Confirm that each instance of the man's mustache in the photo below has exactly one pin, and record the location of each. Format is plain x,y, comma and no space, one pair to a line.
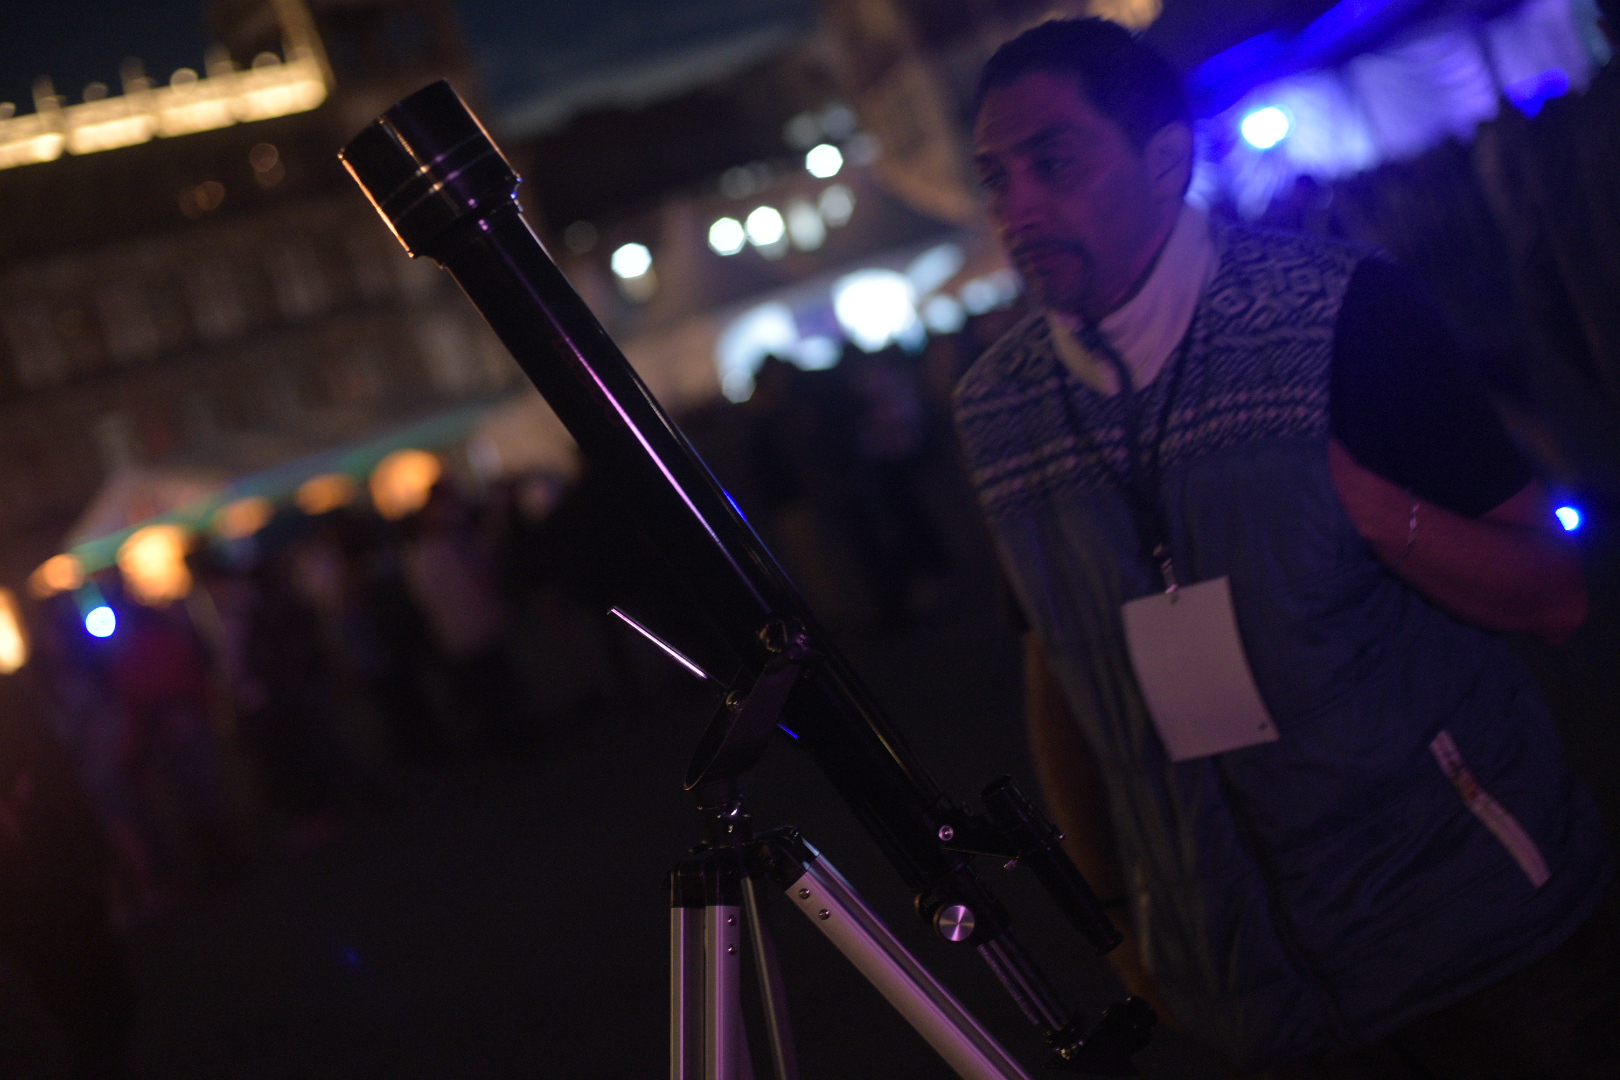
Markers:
1035,249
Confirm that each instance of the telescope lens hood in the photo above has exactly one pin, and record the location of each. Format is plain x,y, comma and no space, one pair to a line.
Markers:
427,164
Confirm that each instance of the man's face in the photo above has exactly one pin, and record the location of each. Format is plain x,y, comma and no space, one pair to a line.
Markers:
1074,203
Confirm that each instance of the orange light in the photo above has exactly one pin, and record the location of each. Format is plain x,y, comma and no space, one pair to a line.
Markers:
13,635
153,562
59,573
325,493
401,482
242,518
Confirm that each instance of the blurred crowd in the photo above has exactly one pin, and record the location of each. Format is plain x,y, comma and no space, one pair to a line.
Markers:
318,667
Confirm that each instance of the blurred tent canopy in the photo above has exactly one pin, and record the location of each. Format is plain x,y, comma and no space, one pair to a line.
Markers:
139,496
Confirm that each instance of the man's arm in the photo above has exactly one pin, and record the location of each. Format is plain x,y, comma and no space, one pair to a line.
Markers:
1072,784
1512,570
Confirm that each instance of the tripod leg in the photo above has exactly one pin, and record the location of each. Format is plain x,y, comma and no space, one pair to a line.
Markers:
837,911
686,1006
725,1049
779,1031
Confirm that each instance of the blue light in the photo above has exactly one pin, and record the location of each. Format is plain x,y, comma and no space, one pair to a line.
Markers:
1265,128
100,621
1568,517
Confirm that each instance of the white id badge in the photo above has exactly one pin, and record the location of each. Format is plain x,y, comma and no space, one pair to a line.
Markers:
1190,665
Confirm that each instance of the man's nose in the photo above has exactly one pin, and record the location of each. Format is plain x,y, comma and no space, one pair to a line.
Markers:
1021,207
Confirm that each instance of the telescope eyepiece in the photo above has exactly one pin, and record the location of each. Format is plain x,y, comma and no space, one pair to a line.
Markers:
426,165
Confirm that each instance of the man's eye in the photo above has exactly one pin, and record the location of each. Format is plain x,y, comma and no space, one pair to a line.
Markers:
1051,166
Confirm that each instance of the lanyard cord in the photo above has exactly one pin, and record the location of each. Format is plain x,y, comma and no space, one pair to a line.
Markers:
1140,483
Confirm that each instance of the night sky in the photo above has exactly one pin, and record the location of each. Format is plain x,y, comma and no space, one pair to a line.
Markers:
77,42
524,49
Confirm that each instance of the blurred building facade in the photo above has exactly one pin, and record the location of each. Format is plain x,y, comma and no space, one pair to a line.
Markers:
222,299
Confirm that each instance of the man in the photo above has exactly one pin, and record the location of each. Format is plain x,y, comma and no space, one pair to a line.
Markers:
1263,528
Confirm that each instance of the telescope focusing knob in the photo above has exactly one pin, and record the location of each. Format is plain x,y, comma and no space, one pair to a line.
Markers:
954,922
426,164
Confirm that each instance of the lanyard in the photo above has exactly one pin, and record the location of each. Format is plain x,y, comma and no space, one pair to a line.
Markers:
1140,483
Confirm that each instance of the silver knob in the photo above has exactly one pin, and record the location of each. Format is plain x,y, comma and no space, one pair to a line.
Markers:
954,922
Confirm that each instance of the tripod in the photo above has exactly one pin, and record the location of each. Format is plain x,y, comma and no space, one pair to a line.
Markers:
715,893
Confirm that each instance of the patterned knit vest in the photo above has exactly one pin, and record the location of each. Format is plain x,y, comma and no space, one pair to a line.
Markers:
1414,835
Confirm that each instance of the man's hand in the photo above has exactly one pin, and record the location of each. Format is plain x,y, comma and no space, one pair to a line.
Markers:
1512,570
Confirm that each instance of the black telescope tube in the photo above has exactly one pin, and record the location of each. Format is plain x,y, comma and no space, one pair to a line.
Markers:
443,188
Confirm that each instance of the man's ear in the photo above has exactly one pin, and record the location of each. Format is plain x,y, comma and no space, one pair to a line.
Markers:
1169,154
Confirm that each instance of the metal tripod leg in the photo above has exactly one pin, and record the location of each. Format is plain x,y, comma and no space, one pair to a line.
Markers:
707,1041
837,911
778,1030
686,1013
707,895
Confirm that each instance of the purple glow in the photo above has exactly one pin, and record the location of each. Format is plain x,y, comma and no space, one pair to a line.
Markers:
1532,93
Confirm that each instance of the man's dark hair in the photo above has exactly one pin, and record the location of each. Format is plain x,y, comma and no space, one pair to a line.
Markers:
1121,77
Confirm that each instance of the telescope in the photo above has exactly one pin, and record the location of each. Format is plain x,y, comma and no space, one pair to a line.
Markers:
448,194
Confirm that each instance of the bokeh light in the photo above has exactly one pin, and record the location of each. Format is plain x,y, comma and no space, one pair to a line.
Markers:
402,481
59,573
324,493
875,307
13,636
824,161
153,562
100,621
726,236
631,260
1265,128
765,226
241,519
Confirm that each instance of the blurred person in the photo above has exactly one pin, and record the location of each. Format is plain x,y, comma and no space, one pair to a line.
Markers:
287,707
171,752
92,727
55,926
1266,530
385,635
451,577
895,444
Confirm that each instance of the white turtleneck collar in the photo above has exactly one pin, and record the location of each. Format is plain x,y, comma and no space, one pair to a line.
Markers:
1147,328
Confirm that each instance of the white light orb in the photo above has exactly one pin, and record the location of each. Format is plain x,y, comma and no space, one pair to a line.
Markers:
632,260
766,330
766,227
1265,128
1568,517
875,307
823,161
726,236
